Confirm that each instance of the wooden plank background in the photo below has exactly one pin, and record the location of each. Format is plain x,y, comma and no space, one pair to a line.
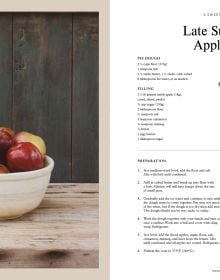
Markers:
49,86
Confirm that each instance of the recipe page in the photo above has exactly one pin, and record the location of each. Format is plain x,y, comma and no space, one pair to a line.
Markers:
165,140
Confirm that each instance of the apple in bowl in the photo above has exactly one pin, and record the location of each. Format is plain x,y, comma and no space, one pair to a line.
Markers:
25,172
6,140
24,156
36,140
22,151
3,169
8,130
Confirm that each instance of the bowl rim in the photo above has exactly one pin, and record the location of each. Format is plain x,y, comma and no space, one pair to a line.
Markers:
29,174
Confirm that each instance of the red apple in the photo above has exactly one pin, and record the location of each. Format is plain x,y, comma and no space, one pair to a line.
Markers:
3,169
34,139
24,156
8,130
6,140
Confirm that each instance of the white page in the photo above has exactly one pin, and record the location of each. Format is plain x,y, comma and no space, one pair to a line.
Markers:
165,140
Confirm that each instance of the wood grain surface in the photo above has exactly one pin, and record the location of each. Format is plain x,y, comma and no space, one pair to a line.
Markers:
49,86
61,233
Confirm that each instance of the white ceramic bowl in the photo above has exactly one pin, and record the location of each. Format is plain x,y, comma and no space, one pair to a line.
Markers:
21,192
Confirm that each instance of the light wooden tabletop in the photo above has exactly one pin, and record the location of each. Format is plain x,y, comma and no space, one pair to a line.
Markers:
61,233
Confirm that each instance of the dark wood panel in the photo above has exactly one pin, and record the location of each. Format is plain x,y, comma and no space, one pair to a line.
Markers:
5,69
42,83
85,111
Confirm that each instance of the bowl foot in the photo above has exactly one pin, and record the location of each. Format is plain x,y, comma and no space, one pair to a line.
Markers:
10,218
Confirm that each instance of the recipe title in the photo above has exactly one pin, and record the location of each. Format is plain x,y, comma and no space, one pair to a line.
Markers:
202,32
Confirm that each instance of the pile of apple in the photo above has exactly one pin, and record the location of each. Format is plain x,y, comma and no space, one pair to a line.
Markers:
20,152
